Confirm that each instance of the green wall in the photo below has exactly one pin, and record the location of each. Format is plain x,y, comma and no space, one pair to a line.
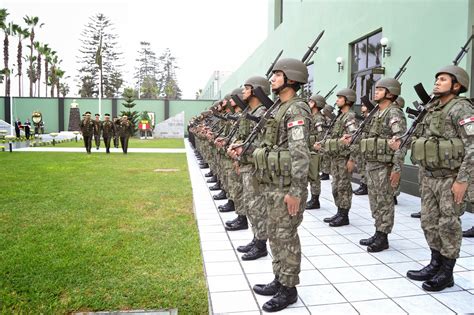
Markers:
23,108
432,32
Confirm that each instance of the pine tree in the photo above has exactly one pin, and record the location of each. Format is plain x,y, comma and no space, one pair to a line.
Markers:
129,96
146,72
167,82
99,53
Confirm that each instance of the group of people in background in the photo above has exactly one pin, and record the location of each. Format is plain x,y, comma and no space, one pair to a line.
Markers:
118,129
26,126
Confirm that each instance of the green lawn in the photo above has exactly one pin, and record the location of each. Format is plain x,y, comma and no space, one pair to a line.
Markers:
134,143
98,232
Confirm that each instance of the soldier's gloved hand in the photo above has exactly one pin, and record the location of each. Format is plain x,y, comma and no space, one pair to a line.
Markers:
394,179
292,203
394,143
350,166
459,189
317,146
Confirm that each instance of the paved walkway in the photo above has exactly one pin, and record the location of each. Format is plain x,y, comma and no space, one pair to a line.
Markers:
101,150
338,275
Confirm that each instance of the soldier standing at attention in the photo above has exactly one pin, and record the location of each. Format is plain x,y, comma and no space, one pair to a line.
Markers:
125,129
87,130
116,132
362,190
342,163
108,132
383,165
447,127
316,103
97,128
284,146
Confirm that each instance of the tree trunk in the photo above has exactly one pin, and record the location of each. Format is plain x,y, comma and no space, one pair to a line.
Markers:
46,77
19,67
32,37
5,61
38,69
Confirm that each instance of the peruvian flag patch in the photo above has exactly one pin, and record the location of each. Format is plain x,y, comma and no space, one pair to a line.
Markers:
295,123
462,122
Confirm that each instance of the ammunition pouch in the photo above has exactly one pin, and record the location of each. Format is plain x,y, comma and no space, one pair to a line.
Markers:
314,166
272,166
435,154
376,150
335,147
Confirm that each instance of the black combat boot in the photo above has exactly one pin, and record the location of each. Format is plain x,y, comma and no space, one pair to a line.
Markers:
342,219
268,289
395,200
428,271
362,190
259,250
228,207
313,203
368,241
213,179
220,196
380,243
217,186
324,176
248,247
468,233
230,222
210,174
240,224
203,165
284,297
443,279
416,215
327,220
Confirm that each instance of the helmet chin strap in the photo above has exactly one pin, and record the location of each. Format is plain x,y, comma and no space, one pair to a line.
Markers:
278,90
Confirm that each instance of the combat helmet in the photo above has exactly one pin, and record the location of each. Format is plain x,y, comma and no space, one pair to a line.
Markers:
349,94
294,69
459,73
319,100
392,85
258,81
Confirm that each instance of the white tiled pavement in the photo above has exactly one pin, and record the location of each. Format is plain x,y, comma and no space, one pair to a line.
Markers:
338,275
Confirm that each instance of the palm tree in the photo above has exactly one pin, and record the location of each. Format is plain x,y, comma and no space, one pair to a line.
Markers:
8,31
48,55
32,22
55,71
39,49
22,33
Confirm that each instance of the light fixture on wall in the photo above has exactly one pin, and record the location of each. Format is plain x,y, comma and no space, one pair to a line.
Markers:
340,64
385,48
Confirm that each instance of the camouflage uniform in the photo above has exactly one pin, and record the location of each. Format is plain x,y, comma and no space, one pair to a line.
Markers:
317,134
125,130
97,129
380,163
440,215
108,132
285,136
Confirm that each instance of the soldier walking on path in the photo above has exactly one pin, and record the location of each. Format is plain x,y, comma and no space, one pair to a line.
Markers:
87,130
97,129
125,130
108,132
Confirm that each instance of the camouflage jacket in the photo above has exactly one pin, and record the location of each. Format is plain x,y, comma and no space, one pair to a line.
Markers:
245,128
292,135
346,123
459,123
97,127
386,124
318,128
125,128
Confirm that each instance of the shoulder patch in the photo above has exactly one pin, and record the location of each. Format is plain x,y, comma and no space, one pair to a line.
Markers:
394,120
462,122
299,122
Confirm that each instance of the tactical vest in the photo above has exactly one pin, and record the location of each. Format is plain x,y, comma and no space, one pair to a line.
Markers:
375,148
335,147
272,162
438,151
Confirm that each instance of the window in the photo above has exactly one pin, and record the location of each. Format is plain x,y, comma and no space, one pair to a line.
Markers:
366,64
278,18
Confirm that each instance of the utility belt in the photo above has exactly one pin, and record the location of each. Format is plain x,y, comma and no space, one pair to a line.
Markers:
376,150
437,154
336,148
273,166
440,173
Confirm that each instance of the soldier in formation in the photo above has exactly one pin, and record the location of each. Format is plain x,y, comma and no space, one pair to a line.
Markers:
97,130
87,131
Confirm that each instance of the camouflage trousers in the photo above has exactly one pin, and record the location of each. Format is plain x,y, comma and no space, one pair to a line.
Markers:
235,190
313,176
253,202
315,186
381,196
325,164
341,183
283,236
440,216
361,169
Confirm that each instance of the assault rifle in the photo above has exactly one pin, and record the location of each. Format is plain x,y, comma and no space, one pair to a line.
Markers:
312,49
421,109
268,74
373,109
331,92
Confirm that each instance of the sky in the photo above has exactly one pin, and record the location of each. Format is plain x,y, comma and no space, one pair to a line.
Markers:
203,35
